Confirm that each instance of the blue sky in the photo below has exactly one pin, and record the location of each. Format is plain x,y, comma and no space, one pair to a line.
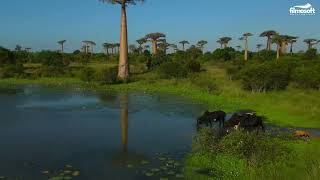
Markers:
41,23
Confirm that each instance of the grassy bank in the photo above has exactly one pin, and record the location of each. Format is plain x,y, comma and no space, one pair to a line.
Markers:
292,107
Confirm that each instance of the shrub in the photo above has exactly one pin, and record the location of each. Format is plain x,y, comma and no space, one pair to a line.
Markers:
172,70
225,54
13,70
205,82
87,74
50,71
266,76
307,77
265,55
310,54
193,66
106,75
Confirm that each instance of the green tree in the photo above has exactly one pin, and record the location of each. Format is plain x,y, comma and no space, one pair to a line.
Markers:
154,38
311,42
225,41
269,34
62,45
245,38
201,44
184,42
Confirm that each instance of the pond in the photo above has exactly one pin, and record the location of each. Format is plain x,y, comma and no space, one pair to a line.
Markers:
68,132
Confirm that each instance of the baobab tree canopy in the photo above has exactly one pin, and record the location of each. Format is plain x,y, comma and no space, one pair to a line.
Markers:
122,2
268,33
155,36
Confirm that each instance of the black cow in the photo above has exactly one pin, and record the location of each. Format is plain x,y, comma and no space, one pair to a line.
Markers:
209,117
247,121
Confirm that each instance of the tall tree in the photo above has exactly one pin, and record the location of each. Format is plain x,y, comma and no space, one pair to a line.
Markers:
311,42
238,47
201,44
225,41
154,38
277,39
269,34
184,42
123,72
141,42
62,45
291,41
106,47
245,38
259,47
89,46
221,43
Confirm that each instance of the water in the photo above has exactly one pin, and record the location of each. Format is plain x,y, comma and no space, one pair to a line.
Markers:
102,135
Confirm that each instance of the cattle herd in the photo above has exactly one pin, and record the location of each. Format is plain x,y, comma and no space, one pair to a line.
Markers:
247,120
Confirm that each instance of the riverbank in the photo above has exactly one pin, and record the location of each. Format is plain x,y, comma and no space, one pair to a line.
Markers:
290,108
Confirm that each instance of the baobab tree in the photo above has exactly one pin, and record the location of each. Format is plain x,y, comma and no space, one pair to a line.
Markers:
62,45
277,39
225,41
154,38
238,47
259,47
245,37
106,47
184,42
163,45
291,41
141,42
221,43
89,45
269,34
18,47
123,71
311,42
201,44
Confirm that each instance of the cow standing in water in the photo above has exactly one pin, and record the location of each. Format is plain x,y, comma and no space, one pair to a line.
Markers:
209,117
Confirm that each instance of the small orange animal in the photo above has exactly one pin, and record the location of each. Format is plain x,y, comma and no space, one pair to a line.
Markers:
301,134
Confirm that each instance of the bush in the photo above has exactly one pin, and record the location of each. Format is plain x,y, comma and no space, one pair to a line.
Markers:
193,66
205,82
265,55
107,75
173,70
307,77
14,70
50,71
87,74
266,76
225,54
310,54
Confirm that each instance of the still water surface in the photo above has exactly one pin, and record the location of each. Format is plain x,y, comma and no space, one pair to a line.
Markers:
102,135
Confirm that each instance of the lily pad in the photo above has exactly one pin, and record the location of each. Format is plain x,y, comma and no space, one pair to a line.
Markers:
67,178
43,172
155,170
145,162
163,178
76,173
67,172
149,174
68,166
179,176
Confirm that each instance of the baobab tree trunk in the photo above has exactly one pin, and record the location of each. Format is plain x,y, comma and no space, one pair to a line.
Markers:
154,47
124,121
183,47
309,46
291,48
278,51
246,50
269,43
123,58
62,48
283,48
225,45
